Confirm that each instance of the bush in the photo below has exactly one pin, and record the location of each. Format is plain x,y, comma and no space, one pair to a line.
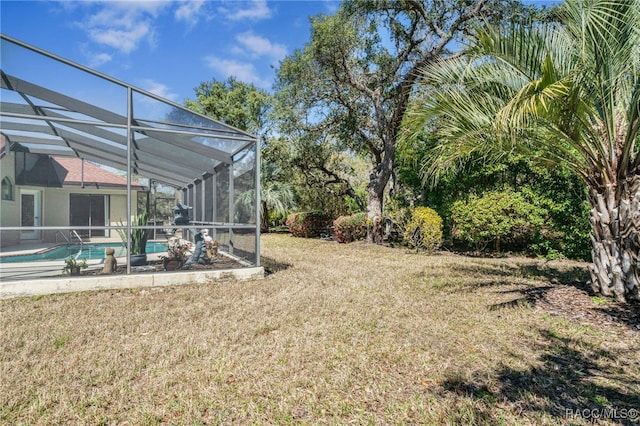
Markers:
350,228
400,218
424,230
504,218
308,224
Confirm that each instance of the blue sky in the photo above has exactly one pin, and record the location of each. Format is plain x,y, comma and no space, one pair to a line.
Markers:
167,47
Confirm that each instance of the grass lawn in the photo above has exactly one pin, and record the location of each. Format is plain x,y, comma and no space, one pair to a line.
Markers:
336,334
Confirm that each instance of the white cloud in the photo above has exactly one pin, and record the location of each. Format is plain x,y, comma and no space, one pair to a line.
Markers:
158,89
242,71
189,11
98,59
122,25
253,10
124,40
260,46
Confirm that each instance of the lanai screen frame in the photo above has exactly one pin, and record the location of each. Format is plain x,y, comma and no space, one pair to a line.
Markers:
182,149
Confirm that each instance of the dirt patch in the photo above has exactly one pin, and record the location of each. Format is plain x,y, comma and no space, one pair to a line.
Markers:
579,305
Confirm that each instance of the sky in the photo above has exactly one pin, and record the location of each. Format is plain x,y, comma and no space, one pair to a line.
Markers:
168,47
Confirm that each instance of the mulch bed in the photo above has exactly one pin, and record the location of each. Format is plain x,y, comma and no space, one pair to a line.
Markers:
217,263
579,305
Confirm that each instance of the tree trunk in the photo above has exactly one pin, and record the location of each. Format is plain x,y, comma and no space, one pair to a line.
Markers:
374,211
615,222
264,217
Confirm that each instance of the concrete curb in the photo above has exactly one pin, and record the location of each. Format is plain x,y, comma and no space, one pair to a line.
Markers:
13,289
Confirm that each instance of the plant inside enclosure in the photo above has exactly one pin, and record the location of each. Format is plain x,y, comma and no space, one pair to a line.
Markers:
72,265
139,237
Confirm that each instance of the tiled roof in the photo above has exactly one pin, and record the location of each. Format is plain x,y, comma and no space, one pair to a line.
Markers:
93,174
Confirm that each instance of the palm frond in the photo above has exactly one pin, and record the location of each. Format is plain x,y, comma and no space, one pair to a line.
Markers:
568,90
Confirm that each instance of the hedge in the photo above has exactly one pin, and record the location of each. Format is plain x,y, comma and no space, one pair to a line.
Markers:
350,228
308,224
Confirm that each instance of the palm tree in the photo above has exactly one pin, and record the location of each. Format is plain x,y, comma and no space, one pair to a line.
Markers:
567,93
275,195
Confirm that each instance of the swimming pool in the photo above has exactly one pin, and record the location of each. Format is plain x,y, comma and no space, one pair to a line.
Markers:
89,251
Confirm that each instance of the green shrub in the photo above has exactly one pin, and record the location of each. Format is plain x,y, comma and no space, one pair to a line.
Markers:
424,230
308,224
350,228
504,218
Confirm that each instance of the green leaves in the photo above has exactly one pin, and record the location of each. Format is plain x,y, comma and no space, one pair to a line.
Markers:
238,104
570,90
498,216
138,236
424,229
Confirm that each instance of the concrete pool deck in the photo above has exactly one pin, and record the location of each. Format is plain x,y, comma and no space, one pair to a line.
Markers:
23,279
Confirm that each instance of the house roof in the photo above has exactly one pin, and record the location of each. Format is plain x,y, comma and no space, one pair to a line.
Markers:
85,173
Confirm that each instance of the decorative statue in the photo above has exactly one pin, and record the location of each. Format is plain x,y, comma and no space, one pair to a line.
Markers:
200,250
110,262
211,246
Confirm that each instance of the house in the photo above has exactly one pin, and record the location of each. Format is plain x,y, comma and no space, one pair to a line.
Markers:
47,190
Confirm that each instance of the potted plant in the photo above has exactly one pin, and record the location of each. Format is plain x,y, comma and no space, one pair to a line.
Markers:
176,253
72,266
139,237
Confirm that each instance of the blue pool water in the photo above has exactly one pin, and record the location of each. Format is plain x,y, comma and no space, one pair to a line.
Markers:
89,251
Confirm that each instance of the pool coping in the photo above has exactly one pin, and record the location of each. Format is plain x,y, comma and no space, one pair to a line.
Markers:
27,288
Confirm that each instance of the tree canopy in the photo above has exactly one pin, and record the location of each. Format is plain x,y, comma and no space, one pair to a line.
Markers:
237,104
349,87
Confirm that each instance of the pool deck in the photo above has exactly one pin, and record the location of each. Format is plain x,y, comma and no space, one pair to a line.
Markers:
25,248
46,268
22,279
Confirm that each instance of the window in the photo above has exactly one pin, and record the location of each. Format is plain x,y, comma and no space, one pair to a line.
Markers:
7,189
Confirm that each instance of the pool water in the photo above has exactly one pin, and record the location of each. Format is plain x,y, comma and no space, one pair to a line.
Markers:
86,251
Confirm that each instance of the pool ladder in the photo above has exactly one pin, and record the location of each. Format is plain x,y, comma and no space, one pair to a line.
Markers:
63,236
73,232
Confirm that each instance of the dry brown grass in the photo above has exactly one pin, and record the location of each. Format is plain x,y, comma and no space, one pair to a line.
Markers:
337,334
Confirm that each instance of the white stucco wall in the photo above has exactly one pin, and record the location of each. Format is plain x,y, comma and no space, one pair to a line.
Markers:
9,209
55,205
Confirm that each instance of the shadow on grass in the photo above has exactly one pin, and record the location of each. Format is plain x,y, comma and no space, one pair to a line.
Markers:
627,314
567,276
613,311
576,381
529,297
577,276
271,266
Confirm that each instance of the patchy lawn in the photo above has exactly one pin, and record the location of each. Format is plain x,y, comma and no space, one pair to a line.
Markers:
335,334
